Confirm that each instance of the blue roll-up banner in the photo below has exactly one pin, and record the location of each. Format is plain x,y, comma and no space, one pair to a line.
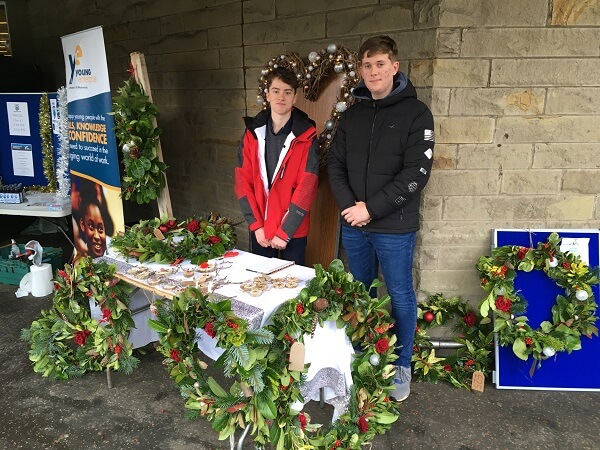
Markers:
94,162
577,371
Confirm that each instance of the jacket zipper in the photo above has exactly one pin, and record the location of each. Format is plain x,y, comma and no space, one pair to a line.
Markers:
369,155
279,177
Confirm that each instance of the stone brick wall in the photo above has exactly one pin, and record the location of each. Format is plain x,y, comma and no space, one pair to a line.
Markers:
514,86
514,92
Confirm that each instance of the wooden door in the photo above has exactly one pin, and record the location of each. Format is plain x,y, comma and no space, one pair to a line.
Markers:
323,239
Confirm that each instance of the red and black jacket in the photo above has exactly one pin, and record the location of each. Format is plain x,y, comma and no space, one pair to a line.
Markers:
282,210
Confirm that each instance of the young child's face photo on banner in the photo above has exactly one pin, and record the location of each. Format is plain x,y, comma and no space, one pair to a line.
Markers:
94,230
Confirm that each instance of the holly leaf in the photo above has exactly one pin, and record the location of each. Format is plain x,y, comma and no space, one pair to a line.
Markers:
520,349
484,306
386,418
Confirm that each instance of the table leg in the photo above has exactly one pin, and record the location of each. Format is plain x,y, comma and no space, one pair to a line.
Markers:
109,378
240,445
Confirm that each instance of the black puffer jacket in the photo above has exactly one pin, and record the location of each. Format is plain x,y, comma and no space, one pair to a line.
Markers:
382,155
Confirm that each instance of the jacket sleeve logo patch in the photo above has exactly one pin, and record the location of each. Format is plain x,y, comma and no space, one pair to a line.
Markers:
428,135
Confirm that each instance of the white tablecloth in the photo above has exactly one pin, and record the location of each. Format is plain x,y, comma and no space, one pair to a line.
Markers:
329,351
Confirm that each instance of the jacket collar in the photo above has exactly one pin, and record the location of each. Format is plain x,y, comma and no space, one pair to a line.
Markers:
402,88
301,123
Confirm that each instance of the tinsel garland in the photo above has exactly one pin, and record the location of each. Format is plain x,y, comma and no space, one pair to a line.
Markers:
62,166
47,149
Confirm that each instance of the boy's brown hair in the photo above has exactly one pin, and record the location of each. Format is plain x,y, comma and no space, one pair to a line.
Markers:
286,75
379,44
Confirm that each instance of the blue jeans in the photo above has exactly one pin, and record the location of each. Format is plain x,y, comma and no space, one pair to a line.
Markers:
394,252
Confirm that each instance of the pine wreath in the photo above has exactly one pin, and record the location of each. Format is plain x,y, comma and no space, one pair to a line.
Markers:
144,176
66,342
474,332
265,388
573,315
195,238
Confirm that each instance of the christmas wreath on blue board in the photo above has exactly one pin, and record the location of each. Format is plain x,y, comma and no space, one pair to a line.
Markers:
573,314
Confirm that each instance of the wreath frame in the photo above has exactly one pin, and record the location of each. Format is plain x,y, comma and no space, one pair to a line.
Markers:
474,332
573,314
266,388
66,342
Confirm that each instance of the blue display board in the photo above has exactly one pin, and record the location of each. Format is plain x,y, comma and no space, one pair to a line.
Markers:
20,138
579,370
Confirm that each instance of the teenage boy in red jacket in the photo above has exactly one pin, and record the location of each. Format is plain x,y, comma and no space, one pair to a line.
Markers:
276,177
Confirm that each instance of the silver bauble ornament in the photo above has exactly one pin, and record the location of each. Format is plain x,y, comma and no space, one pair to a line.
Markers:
259,100
374,359
126,148
332,48
328,136
313,56
581,295
265,72
552,262
308,75
311,68
329,124
341,106
549,351
352,73
350,65
275,66
338,68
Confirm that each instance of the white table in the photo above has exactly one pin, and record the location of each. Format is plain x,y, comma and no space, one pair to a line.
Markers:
329,351
43,205
38,204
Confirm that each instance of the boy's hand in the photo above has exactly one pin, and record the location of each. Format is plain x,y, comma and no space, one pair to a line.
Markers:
357,215
260,238
278,243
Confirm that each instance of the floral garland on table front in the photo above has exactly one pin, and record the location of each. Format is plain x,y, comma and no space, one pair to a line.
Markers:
475,333
197,239
573,315
265,387
320,65
66,342
144,176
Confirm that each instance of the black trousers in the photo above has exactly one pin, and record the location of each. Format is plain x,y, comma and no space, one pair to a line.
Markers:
294,251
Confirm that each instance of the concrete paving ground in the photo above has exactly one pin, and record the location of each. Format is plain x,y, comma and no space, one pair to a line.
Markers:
145,411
